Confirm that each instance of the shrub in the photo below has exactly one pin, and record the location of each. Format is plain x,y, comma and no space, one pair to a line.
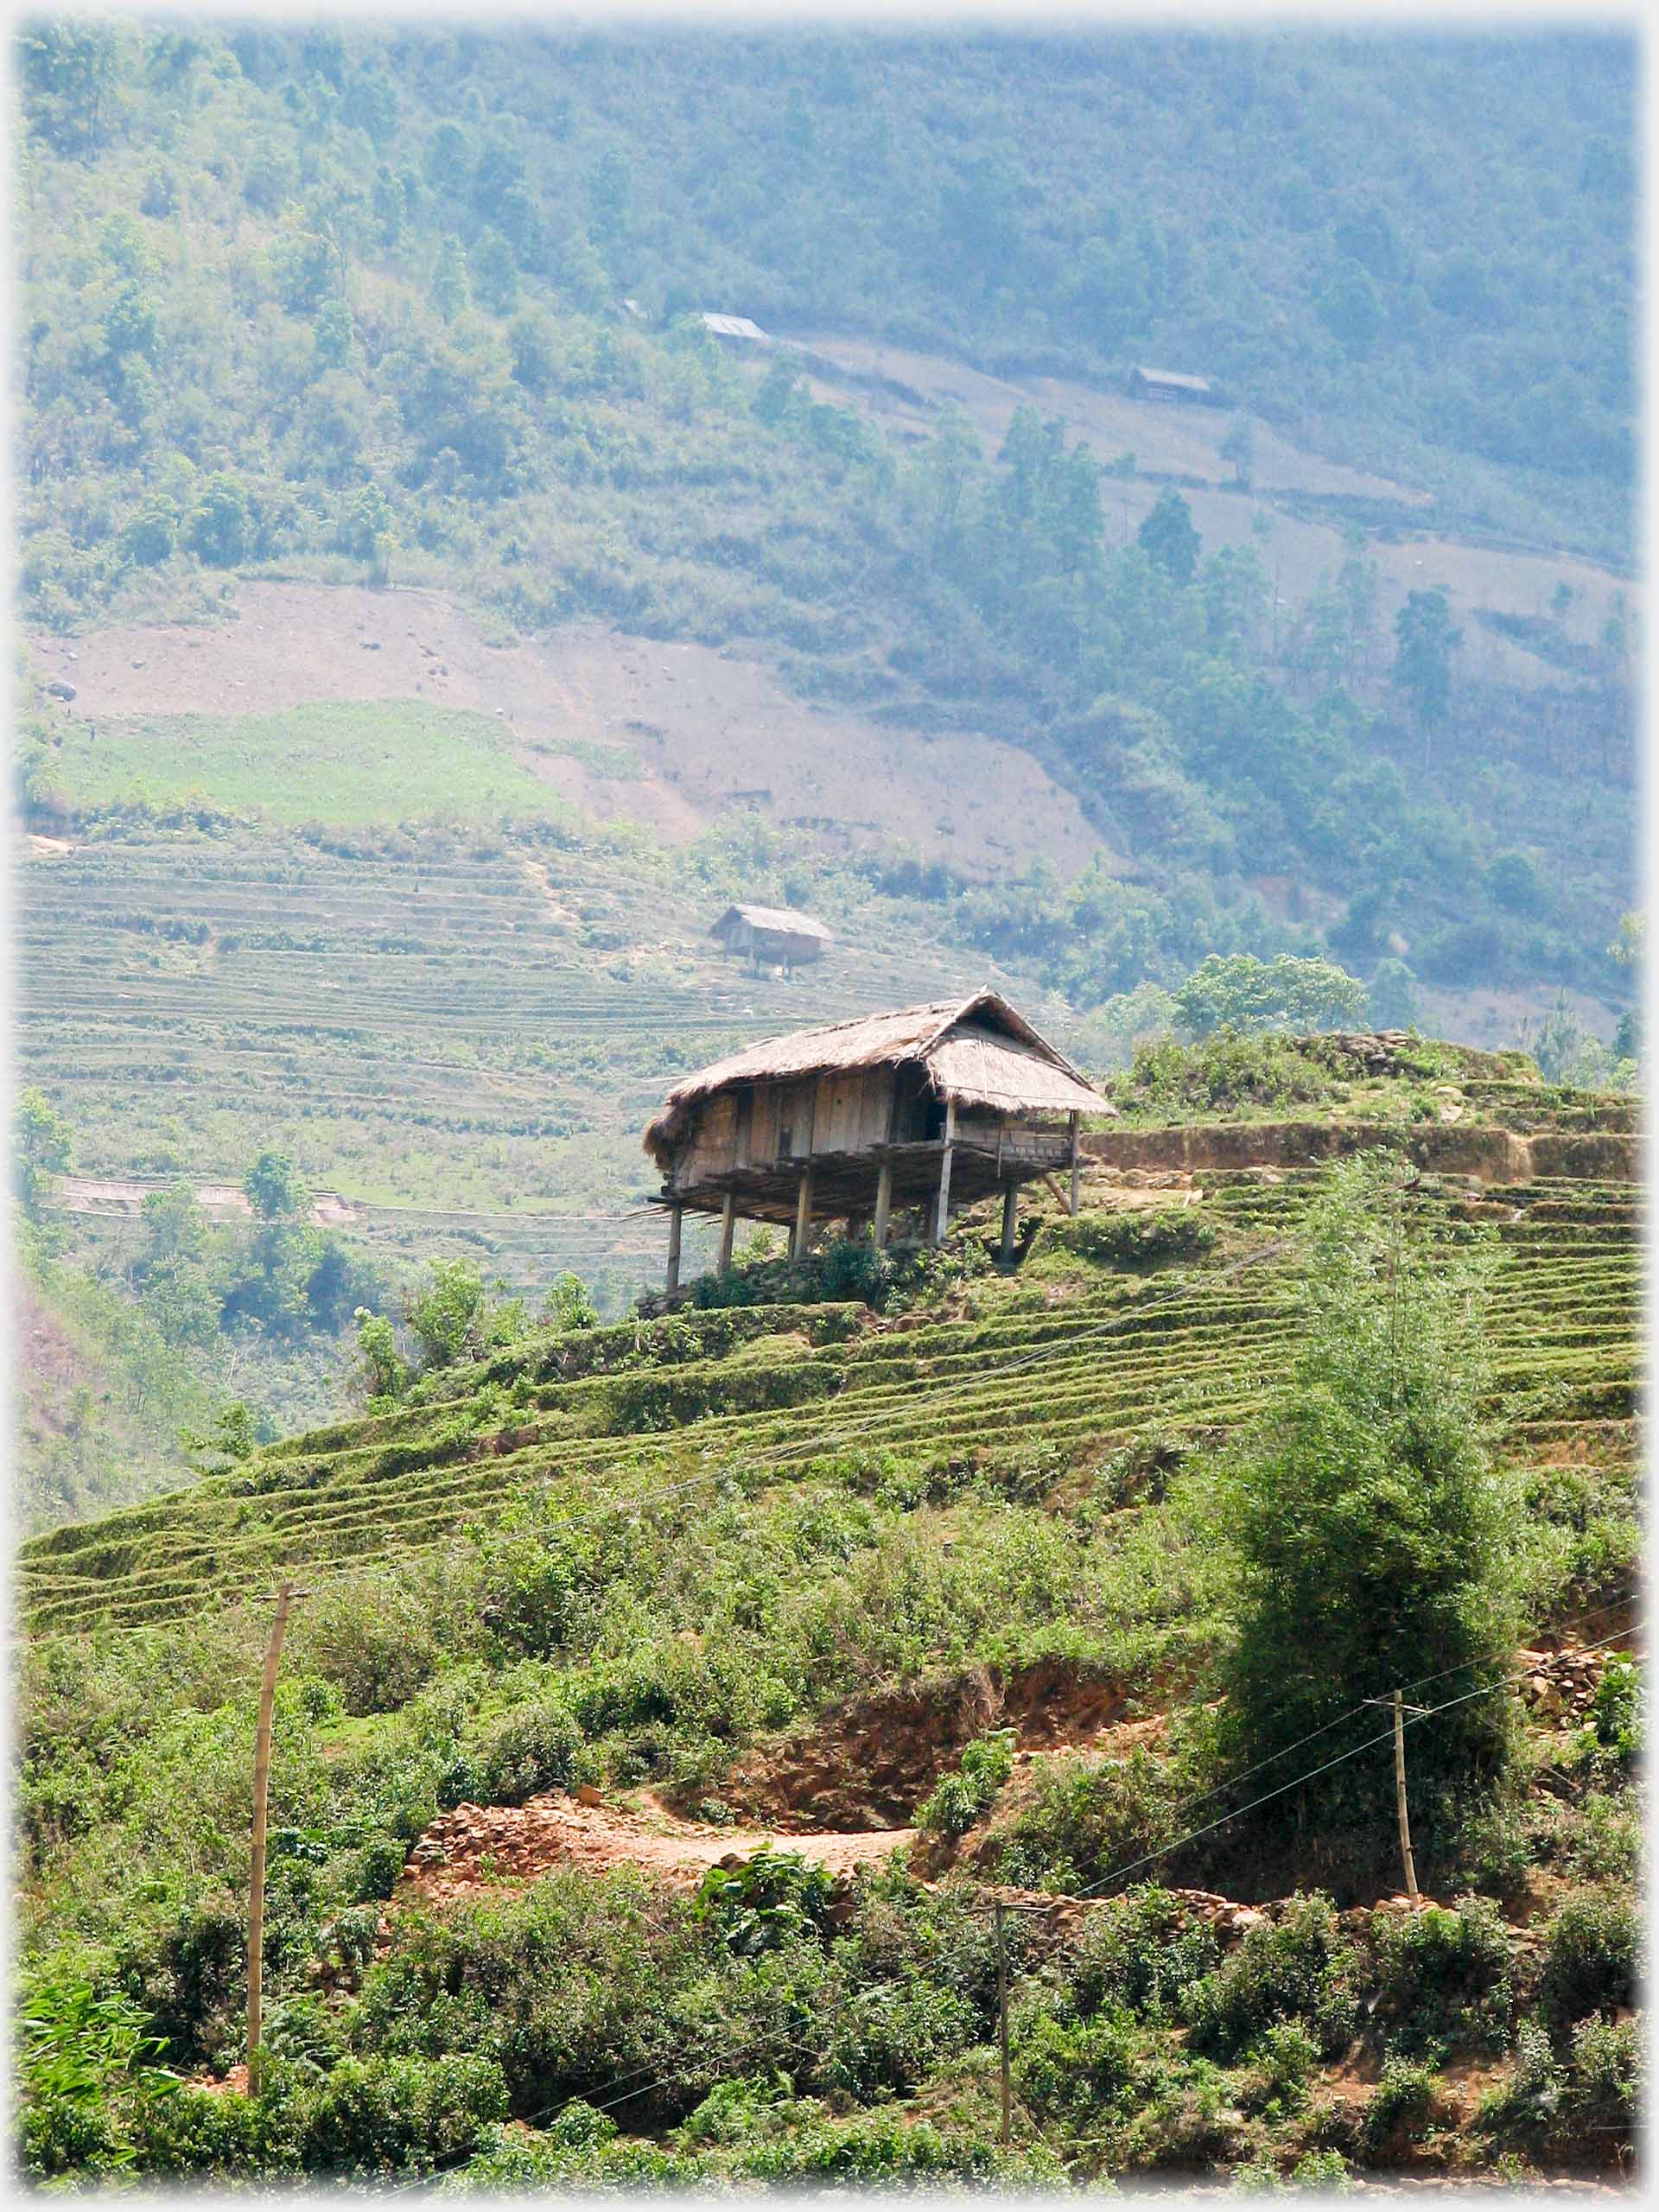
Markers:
1603,2078
1443,1974
772,1897
1616,1712
528,1749
1590,1956
1069,2071
1138,1240
956,1801
1295,1968
1402,2105
372,2113
1090,1817
1280,2064
1139,1951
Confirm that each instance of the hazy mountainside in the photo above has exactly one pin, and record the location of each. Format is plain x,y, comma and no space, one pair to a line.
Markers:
365,320
431,627
670,1702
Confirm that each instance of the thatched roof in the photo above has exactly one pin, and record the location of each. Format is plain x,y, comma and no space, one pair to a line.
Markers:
782,921
976,1051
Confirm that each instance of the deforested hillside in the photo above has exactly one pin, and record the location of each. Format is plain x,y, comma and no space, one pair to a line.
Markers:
426,311
668,1704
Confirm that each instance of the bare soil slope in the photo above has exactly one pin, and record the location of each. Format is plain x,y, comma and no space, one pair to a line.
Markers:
669,735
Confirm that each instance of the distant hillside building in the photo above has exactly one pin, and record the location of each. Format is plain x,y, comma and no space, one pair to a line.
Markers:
772,935
1171,384
924,1108
735,329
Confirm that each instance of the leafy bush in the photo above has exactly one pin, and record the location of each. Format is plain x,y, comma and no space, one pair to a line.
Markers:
1402,2105
772,1897
1297,1968
1590,1951
1616,1712
1279,2065
1603,2093
372,2113
529,1749
1071,2070
1137,1240
956,1801
1443,1975
1090,1817
1139,1951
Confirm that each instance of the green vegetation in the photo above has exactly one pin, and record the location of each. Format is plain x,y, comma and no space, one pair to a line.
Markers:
1373,1533
345,764
608,1556
369,321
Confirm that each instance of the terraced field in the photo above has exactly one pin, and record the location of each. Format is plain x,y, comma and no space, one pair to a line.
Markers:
1037,1377
467,1040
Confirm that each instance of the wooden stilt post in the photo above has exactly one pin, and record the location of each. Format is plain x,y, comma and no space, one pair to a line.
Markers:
1076,1166
942,1216
855,1227
1003,2016
261,1794
727,1223
883,1203
1010,1217
803,1215
674,1213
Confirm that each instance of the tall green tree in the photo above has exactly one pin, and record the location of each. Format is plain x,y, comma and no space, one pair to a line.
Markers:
1426,640
1169,538
1373,1536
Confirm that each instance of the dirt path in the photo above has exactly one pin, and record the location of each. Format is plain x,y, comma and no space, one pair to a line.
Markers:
471,1849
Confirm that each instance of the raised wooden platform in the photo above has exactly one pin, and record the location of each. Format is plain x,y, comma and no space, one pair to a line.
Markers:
844,1183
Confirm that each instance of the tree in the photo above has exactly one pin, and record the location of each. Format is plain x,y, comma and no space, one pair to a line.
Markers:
1371,1532
495,273
273,1190
1243,993
1393,1001
219,528
458,1315
449,280
1168,539
1238,447
42,1145
1426,641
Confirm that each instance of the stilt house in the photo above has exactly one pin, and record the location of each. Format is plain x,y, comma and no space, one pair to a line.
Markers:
775,934
923,1109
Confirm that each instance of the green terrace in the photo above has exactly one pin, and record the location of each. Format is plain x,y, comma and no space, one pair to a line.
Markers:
1028,1380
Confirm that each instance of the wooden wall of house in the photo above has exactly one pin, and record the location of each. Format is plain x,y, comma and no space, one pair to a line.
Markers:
767,1122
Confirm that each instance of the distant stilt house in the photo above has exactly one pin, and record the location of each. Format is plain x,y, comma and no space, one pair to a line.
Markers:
924,1110
1170,384
735,329
774,935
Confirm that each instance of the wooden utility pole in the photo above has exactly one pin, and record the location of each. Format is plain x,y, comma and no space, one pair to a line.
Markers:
674,1217
261,1790
1396,1704
1003,2016
1400,1794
